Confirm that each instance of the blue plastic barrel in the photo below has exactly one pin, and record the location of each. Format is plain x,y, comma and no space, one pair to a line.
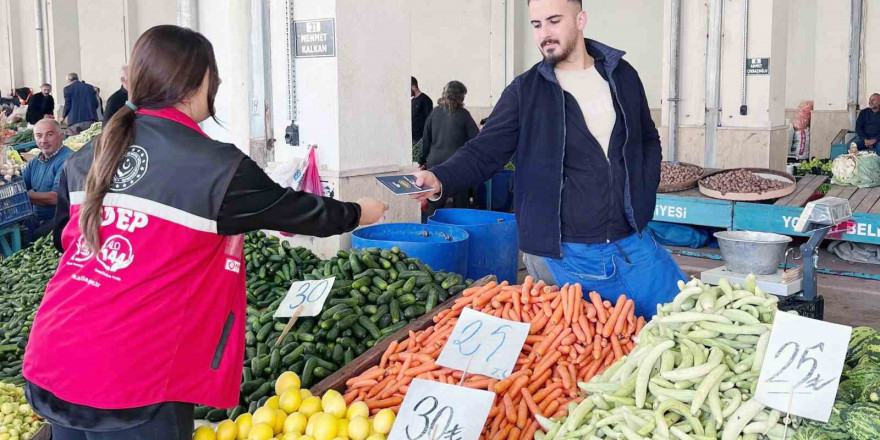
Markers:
493,247
502,192
441,247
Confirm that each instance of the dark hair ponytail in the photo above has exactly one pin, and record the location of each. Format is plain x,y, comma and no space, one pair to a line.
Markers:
168,66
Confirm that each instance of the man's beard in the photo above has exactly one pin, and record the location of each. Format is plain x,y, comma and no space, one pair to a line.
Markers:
561,53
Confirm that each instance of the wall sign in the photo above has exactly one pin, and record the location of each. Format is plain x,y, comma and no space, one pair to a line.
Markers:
758,66
314,38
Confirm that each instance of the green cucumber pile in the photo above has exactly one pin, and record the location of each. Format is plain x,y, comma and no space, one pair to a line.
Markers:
23,279
376,293
272,266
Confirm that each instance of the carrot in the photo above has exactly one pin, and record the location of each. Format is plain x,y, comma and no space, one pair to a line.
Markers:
530,403
502,433
539,382
514,433
556,317
480,384
615,345
544,345
600,308
363,383
566,379
509,410
540,395
384,403
522,414
529,433
518,384
625,313
639,324
613,317
568,339
505,383
547,362
578,332
542,404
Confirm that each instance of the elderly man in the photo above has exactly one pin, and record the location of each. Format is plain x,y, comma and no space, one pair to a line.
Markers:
868,124
41,105
80,104
42,174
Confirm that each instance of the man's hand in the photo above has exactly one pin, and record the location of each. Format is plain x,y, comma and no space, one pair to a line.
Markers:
371,210
871,142
426,179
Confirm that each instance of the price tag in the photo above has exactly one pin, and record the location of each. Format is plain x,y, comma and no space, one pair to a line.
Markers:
306,295
484,344
804,361
439,411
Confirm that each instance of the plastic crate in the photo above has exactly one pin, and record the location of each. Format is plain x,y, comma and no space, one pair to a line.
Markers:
807,308
15,204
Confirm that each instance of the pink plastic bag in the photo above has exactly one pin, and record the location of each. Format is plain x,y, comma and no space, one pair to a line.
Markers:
311,181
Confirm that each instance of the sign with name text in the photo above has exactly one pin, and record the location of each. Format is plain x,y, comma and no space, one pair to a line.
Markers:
314,38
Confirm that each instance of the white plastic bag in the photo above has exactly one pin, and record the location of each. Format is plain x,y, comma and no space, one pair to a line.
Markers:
288,174
800,144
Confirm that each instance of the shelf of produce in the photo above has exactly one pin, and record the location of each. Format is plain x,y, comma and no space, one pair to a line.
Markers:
780,217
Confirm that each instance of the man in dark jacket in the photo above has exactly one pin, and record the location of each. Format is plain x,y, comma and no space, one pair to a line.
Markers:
587,160
40,105
80,105
868,124
118,98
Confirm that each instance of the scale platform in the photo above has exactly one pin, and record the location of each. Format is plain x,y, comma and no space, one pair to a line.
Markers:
774,283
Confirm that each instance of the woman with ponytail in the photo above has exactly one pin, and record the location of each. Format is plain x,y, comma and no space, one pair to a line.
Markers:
145,316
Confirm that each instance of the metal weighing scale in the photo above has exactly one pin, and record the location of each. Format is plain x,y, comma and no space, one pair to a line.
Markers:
830,215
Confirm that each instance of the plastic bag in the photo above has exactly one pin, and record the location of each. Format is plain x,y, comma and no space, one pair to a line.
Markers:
800,144
288,174
861,169
311,182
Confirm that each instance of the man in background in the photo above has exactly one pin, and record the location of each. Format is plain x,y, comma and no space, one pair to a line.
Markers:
41,176
421,108
41,105
118,98
80,105
868,124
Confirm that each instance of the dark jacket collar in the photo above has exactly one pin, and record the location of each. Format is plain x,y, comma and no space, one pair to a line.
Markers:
605,55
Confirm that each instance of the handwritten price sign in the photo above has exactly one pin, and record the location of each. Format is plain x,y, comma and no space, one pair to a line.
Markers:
802,366
307,295
438,411
484,344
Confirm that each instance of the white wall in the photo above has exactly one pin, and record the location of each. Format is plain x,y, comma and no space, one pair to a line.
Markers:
639,34
870,53
6,48
102,43
801,70
832,54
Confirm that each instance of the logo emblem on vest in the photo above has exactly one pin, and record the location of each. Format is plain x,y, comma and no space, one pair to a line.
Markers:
116,253
83,253
131,169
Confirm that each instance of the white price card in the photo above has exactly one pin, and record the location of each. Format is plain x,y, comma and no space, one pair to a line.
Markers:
438,411
306,295
484,344
802,366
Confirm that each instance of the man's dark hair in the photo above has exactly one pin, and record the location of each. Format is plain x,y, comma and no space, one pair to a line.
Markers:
415,82
579,2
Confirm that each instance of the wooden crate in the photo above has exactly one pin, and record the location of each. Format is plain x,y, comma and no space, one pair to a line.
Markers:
371,357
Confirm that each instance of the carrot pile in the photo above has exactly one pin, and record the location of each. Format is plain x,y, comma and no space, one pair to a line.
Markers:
570,340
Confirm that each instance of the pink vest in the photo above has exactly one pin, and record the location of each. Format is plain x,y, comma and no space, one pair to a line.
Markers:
157,314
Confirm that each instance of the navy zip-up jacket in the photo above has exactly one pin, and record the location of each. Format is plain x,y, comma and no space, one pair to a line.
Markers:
565,190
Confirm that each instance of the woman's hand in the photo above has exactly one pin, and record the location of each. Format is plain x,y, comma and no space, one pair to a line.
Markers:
371,210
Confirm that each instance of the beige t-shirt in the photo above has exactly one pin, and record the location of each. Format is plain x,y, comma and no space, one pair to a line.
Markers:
593,95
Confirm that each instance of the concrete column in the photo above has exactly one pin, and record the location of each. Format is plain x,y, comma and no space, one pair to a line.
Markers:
355,105
6,48
832,74
64,45
758,138
692,79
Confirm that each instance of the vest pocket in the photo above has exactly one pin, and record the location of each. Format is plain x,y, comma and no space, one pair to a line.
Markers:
224,337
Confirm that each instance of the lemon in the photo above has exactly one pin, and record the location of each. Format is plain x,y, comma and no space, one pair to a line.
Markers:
333,403
260,431
358,428
265,415
287,381
342,428
305,393
243,424
289,436
295,423
357,409
204,433
280,417
376,437
226,430
306,437
383,421
310,427
326,427
273,402
310,406
290,401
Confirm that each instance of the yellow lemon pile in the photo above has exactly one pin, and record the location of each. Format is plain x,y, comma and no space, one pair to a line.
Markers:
295,414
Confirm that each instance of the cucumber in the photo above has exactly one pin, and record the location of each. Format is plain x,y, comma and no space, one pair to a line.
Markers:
264,331
200,412
216,415
260,392
275,359
309,371
407,300
393,328
414,311
395,311
369,326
